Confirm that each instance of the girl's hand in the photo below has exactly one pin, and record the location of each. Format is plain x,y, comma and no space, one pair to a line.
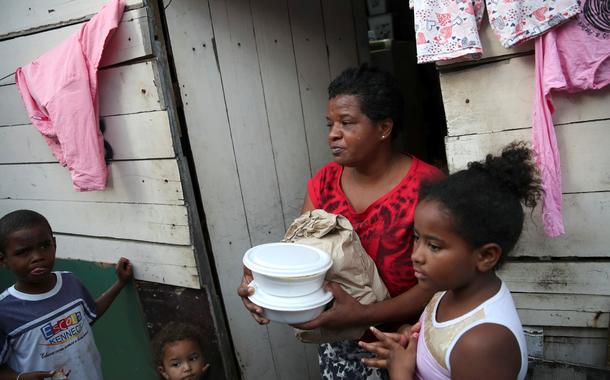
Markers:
244,292
395,352
346,311
124,270
40,375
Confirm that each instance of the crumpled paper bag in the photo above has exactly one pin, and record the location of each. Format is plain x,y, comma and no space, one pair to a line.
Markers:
352,267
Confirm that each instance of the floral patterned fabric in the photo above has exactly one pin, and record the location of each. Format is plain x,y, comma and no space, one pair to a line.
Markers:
385,228
448,29
341,360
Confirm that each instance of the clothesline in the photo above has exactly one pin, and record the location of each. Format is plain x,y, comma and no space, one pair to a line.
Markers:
6,76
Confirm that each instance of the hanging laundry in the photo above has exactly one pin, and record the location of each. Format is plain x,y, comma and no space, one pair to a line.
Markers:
59,90
448,29
573,57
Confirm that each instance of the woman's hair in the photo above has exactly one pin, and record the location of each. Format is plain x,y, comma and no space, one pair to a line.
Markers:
18,220
484,200
170,333
378,91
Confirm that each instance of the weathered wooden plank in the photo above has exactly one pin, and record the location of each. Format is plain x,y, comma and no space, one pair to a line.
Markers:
166,264
130,41
473,106
18,16
135,136
557,277
143,222
340,35
563,310
313,74
586,221
284,113
585,157
122,90
191,34
146,181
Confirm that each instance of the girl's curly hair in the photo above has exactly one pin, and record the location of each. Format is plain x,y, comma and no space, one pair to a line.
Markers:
170,333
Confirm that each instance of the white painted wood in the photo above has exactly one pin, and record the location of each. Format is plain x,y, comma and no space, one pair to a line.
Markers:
143,222
557,277
134,136
165,264
23,15
146,181
340,35
585,157
191,34
122,90
563,310
498,96
313,74
586,221
283,103
576,345
130,41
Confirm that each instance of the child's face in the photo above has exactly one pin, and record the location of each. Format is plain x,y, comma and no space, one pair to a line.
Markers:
30,254
182,360
441,258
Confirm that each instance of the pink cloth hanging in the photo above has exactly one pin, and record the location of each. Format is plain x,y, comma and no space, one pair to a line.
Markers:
572,57
59,90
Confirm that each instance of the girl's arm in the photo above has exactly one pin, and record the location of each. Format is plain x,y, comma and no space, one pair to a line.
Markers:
485,349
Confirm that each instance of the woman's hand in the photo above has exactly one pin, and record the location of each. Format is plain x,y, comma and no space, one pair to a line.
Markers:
395,352
244,292
346,311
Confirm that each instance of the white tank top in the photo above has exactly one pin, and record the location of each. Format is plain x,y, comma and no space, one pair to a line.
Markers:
437,339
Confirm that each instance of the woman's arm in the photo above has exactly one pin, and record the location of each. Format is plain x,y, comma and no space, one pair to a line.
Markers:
347,311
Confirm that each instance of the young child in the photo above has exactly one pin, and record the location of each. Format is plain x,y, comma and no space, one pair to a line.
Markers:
45,317
465,226
178,352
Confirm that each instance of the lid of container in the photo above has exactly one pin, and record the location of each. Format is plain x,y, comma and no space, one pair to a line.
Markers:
287,260
309,301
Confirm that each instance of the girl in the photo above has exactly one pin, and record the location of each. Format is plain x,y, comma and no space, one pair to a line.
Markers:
178,352
465,226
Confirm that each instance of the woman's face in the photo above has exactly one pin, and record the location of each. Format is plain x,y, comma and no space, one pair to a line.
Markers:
353,137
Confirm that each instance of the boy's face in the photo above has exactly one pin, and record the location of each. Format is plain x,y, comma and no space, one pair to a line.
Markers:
183,360
30,254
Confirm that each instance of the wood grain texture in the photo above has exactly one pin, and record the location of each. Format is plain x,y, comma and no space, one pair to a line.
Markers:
18,16
145,181
135,136
130,41
563,310
162,263
143,222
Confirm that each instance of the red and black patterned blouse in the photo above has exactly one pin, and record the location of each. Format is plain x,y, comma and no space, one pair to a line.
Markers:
385,228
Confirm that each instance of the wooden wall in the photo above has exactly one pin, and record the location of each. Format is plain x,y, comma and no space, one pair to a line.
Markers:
560,285
142,215
253,78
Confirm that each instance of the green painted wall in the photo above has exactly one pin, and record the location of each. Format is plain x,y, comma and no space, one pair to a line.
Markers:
121,333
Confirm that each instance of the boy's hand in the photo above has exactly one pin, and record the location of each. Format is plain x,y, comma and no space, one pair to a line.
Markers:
124,270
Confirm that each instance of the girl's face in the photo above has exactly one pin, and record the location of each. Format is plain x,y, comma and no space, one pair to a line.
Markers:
353,137
441,258
183,360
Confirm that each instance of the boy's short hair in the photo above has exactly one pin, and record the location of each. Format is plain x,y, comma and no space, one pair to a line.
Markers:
173,332
18,220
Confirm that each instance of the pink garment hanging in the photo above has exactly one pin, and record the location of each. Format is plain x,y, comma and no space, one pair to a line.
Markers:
572,57
59,90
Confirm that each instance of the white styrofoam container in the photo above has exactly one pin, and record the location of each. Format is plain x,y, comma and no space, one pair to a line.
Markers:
290,310
287,269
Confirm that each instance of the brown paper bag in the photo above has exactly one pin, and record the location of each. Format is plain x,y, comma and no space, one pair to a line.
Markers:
352,267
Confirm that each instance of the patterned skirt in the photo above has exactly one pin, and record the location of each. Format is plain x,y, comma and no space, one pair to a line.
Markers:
341,360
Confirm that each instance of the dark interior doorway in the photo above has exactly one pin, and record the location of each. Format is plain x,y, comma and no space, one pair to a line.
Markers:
392,47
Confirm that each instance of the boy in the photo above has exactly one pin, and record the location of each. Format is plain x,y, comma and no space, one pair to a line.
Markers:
45,317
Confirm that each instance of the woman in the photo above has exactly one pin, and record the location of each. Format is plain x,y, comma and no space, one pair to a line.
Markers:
376,188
